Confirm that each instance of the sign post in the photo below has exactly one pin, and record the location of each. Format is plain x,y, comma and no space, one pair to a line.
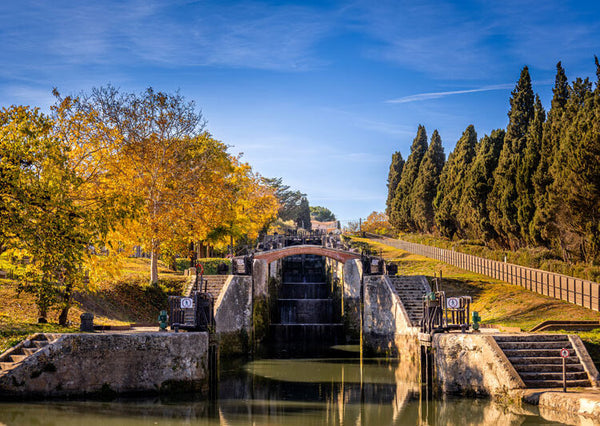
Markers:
564,353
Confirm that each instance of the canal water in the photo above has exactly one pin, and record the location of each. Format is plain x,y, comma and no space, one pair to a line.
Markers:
327,391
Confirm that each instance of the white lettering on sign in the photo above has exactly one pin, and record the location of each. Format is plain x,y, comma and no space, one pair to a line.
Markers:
452,302
187,303
564,353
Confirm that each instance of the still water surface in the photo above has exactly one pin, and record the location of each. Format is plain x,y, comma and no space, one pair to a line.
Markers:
284,392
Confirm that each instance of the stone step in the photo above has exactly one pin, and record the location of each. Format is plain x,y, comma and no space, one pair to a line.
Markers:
30,351
532,353
552,376
518,360
556,345
7,365
17,358
532,338
40,343
548,368
409,290
557,383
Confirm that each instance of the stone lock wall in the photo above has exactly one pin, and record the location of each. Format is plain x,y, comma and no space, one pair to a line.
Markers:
107,364
472,364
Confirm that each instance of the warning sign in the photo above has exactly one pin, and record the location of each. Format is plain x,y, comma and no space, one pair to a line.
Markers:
564,353
187,303
452,303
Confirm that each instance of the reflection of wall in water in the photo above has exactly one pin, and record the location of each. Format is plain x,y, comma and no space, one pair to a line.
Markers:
332,392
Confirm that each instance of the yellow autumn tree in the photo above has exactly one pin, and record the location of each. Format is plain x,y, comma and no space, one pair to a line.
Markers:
247,205
377,223
160,149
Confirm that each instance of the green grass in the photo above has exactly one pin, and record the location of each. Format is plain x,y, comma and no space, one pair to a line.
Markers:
498,303
121,300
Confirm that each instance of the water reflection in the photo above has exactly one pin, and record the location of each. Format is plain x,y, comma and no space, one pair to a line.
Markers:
290,392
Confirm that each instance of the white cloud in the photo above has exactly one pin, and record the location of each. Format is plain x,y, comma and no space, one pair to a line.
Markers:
246,34
435,95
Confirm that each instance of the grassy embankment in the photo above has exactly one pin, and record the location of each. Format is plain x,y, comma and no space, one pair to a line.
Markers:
123,300
497,302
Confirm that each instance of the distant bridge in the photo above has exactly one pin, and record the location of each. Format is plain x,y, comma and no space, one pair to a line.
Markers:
336,254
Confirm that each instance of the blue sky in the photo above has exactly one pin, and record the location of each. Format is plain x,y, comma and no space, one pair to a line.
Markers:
318,93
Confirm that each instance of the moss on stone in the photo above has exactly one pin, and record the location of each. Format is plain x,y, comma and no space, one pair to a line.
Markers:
234,343
261,318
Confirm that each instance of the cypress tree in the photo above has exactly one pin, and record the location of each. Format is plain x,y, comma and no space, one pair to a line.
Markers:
502,202
541,230
400,216
303,218
452,182
575,192
394,178
526,170
473,216
425,187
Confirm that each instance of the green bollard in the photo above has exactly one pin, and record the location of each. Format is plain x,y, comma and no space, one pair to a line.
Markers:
475,319
163,319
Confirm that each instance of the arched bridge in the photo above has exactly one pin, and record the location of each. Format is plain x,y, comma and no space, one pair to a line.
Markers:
339,255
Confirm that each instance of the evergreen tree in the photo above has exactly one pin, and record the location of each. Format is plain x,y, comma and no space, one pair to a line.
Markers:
575,192
540,229
303,218
472,214
400,214
502,202
452,182
321,214
425,187
393,178
526,170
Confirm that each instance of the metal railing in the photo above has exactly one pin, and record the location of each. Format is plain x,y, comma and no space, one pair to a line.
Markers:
441,313
194,313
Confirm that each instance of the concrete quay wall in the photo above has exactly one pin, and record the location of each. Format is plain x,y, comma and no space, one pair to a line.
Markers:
107,364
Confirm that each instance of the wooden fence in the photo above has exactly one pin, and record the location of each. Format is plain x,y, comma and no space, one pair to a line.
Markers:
575,290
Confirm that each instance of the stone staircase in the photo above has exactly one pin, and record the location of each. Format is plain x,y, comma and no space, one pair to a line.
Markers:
17,354
410,290
214,285
536,357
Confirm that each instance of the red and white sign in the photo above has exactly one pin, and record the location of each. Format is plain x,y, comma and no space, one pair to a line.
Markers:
452,303
564,353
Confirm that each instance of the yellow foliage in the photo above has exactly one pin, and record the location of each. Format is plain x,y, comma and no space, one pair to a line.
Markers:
377,223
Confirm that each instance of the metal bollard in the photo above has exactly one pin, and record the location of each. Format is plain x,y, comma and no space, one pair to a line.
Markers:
476,319
87,322
163,320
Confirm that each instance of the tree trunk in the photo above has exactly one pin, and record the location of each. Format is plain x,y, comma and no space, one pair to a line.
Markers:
64,315
154,262
43,314
67,298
